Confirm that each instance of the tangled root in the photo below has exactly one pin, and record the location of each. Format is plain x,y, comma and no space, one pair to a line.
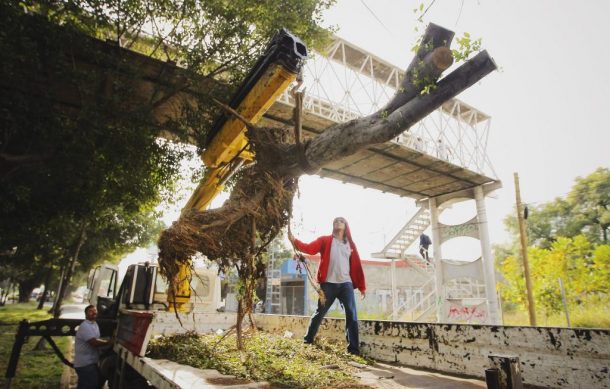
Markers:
260,198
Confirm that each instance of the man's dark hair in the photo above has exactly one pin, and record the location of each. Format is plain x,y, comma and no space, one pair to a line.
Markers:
88,308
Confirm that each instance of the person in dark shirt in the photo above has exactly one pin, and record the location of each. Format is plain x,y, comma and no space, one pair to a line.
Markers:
424,243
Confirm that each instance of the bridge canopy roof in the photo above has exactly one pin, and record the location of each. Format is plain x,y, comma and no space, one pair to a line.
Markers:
400,166
391,167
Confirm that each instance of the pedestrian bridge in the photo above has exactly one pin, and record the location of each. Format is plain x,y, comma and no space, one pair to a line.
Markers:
442,154
443,158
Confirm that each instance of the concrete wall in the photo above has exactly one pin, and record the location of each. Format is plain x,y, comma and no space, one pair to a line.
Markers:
166,323
549,357
379,285
378,302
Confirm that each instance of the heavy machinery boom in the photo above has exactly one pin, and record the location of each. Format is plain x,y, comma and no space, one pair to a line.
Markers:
227,147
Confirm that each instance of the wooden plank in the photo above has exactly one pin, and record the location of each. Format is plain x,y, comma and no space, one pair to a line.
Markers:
390,172
367,165
447,188
347,162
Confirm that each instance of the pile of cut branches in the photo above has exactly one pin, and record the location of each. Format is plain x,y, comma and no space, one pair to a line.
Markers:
283,362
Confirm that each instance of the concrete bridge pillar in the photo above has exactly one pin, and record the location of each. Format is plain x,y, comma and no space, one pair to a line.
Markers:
437,260
488,261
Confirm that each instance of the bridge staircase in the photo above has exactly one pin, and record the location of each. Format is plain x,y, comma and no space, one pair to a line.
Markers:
421,305
406,236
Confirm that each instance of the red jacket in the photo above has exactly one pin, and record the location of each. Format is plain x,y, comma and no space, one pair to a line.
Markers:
322,246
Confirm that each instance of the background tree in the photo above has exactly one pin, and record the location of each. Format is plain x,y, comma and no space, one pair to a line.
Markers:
591,199
582,266
600,270
585,210
568,240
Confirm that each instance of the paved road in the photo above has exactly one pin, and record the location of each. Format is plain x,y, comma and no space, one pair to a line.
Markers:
73,311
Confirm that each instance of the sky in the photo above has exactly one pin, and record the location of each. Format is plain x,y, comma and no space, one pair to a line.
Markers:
548,105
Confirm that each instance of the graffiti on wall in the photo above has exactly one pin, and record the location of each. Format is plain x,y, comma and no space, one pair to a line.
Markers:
469,228
459,313
406,297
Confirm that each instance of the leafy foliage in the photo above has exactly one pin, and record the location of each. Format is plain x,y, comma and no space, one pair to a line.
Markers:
591,199
568,240
466,46
585,210
212,38
583,268
80,123
266,357
95,169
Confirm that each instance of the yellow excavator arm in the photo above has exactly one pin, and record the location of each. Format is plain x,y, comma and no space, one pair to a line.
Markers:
227,146
228,150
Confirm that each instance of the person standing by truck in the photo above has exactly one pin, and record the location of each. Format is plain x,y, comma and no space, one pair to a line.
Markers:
86,354
339,274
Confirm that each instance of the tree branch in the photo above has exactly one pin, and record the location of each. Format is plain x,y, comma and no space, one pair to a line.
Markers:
432,58
347,138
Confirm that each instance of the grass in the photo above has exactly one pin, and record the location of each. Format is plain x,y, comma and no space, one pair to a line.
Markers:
283,362
12,314
592,314
36,369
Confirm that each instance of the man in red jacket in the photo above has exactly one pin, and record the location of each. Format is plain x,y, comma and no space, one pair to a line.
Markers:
340,272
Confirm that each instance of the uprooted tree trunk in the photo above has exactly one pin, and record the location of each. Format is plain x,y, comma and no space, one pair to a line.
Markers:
261,200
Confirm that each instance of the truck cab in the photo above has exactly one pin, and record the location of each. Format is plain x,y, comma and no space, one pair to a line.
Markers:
144,289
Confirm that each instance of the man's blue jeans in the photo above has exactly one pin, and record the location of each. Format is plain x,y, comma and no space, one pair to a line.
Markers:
345,293
88,377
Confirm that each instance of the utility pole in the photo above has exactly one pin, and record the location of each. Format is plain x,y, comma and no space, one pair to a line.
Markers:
526,268
565,301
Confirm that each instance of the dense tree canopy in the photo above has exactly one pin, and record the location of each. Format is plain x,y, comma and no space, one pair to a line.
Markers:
583,267
82,166
568,239
211,38
585,210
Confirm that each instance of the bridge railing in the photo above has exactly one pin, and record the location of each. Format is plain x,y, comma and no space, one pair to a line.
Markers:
348,82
